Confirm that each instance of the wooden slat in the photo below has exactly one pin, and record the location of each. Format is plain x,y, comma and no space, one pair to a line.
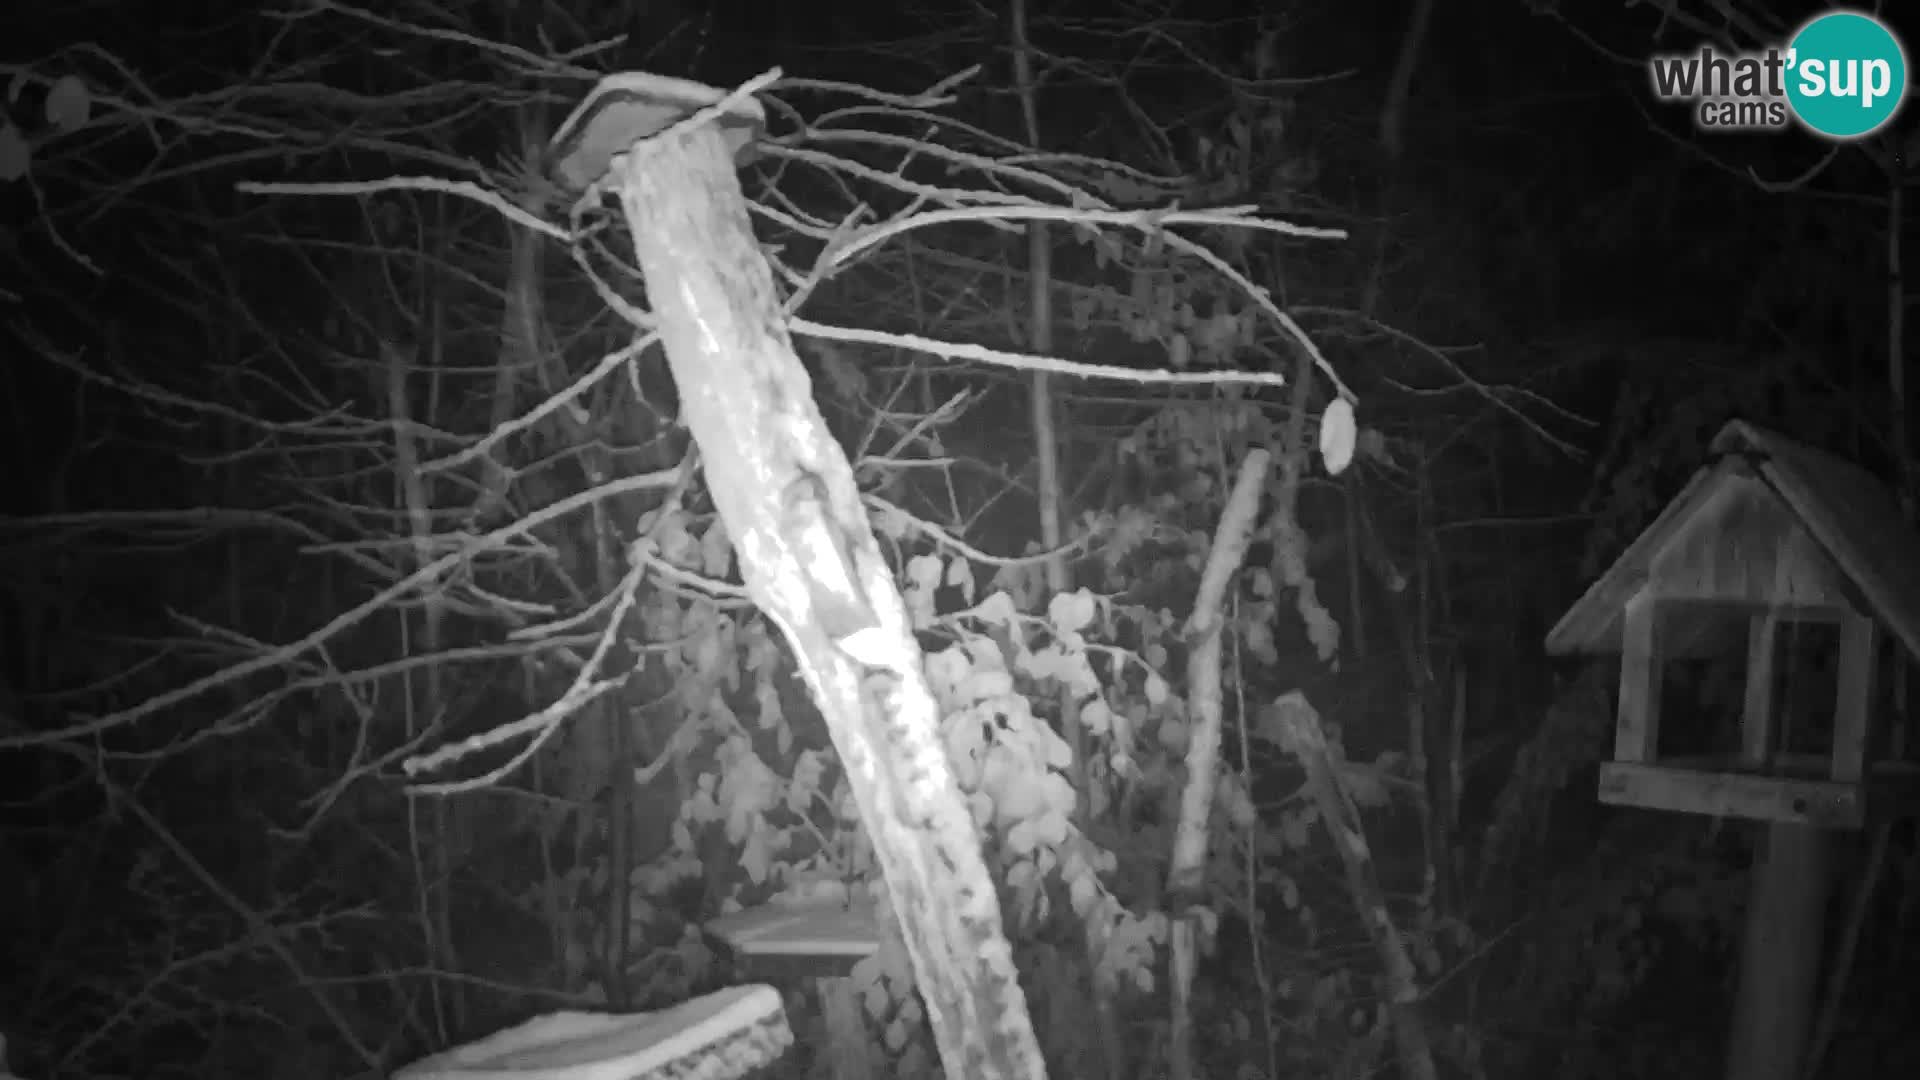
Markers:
1636,733
1821,803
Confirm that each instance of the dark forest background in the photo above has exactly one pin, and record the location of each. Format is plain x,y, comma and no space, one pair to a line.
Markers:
221,632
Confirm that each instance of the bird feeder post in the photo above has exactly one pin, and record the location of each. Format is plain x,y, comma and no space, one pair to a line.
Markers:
1781,952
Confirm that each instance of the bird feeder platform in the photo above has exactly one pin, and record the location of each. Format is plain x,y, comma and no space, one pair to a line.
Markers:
813,940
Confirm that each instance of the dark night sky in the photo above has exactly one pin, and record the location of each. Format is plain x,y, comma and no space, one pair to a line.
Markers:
1538,152
1505,99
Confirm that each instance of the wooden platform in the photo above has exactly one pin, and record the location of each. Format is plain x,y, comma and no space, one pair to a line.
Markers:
1794,794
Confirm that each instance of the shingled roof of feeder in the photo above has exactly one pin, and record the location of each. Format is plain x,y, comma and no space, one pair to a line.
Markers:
1847,512
801,939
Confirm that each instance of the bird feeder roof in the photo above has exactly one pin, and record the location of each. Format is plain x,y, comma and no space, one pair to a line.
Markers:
1850,517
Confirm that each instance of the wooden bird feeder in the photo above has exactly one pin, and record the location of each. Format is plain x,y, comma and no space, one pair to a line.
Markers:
1795,570
1800,562
819,941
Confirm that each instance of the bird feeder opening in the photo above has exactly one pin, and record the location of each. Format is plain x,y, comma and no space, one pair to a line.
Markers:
1803,659
1747,693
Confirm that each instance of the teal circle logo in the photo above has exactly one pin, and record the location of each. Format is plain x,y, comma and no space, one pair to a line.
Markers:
1846,76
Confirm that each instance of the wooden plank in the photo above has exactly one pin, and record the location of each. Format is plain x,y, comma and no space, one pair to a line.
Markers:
1728,794
1636,733
812,938
1852,711
785,968
1757,737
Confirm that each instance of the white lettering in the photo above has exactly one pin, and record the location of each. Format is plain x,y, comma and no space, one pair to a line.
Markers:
1877,84
1813,77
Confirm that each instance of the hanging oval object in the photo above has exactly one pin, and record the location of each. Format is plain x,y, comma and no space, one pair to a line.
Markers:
1337,435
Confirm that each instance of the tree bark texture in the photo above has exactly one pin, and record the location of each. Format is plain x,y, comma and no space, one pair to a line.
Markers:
787,497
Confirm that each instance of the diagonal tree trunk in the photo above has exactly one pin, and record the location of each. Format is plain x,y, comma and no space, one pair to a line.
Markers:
786,495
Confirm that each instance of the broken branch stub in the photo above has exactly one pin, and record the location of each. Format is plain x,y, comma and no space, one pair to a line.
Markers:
622,109
786,495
